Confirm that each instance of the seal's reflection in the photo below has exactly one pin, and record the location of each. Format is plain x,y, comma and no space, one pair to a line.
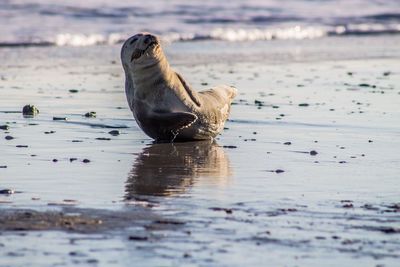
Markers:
170,168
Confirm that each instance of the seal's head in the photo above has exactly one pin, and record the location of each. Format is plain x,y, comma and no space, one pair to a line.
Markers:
141,49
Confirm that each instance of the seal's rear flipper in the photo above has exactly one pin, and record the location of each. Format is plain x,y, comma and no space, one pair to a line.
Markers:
172,120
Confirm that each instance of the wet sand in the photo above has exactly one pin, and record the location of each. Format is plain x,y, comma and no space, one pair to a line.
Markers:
304,174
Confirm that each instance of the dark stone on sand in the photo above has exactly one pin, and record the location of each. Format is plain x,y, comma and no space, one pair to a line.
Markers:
6,191
30,110
369,207
59,118
77,254
114,132
350,73
304,105
259,103
229,146
275,106
342,162
279,171
367,85
389,230
103,138
313,153
386,73
288,210
383,229
4,127
8,137
86,161
138,238
55,160
348,206
73,90
21,146
91,114
169,222
204,83
287,143
49,132
3,167
72,159
227,211
76,141
370,141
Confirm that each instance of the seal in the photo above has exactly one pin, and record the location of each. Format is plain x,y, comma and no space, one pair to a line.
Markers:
164,105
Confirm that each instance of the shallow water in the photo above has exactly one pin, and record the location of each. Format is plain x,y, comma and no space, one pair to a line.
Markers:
88,23
257,194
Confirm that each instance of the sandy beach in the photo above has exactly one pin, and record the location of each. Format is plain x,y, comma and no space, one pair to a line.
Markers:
305,172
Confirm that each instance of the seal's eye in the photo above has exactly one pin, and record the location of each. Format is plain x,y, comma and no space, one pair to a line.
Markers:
133,40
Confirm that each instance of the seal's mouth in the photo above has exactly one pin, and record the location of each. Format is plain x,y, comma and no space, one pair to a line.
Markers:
140,52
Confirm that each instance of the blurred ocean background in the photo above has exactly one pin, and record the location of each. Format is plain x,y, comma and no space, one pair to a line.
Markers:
99,22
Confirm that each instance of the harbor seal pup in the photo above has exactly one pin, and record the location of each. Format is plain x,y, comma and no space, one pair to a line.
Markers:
164,105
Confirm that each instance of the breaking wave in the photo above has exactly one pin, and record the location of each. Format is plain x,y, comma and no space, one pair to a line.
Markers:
220,34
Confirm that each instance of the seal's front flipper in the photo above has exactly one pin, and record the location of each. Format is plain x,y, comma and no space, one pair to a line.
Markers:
172,121
191,92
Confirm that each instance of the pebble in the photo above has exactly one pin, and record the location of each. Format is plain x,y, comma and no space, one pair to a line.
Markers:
304,105
386,73
85,161
4,127
287,143
3,166
366,85
6,191
103,138
59,118
348,206
229,146
30,110
313,152
9,137
90,114
114,132
138,238
73,90
279,171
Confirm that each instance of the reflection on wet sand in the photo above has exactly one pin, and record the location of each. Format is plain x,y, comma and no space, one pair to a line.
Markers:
171,168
